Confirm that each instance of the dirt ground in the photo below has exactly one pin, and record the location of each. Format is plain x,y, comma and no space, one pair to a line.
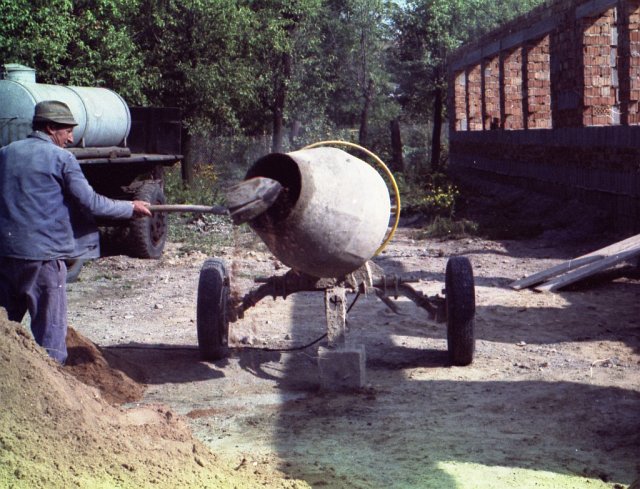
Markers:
552,399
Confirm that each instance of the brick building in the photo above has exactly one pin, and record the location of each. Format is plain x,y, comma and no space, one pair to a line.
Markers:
551,101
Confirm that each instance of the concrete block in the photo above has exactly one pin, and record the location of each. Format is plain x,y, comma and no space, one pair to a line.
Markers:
342,368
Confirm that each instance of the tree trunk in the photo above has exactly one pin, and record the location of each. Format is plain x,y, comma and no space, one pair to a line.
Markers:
363,135
294,132
397,161
436,143
280,100
276,137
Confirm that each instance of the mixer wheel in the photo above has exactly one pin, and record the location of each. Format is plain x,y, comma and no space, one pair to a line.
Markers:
212,320
148,234
460,308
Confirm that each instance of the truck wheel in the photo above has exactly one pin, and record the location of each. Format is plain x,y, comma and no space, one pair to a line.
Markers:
147,235
461,309
212,321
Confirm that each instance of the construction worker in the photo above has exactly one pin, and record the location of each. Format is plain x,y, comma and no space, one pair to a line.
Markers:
46,216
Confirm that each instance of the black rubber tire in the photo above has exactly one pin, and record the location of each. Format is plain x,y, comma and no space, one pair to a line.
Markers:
212,320
461,309
74,266
148,235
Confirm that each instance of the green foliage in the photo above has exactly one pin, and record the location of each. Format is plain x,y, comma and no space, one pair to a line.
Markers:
357,36
102,51
197,53
197,232
36,33
204,233
204,191
431,195
430,30
86,43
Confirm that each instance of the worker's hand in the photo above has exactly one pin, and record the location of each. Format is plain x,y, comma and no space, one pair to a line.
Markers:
140,208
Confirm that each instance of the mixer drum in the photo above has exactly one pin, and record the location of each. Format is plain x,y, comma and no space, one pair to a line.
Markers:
331,216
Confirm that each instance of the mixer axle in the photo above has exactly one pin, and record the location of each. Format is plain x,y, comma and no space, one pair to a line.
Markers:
368,278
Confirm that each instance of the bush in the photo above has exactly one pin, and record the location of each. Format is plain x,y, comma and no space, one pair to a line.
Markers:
205,189
431,195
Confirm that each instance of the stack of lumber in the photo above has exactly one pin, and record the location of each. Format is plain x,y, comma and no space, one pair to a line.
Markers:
581,267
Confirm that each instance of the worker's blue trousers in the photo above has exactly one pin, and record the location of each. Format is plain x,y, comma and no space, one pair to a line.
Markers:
40,288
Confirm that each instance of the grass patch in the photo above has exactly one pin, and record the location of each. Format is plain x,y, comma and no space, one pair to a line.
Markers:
197,232
448,228
208,234
200,232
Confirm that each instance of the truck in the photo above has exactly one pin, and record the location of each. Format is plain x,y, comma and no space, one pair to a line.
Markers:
123,151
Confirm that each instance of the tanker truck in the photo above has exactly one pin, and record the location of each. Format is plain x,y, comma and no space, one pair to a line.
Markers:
122,150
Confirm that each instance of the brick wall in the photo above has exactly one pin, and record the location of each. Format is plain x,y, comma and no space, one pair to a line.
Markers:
474,91
513,96
600,69
538,87
552,101
491,94
631,64
460,101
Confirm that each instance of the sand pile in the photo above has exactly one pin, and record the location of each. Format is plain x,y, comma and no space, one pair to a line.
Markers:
56,432
103,370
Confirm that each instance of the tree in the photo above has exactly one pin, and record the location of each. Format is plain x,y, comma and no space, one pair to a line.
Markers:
283,42
36,34
197,52
102,50
428,31
358,35
83,43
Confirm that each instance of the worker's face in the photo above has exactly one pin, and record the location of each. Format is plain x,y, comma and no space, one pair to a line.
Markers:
60,135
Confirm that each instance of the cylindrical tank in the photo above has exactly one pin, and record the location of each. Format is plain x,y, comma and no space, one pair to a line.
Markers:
18,72
102,115
331,216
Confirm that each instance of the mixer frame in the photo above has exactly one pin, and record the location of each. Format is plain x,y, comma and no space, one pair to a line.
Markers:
216,310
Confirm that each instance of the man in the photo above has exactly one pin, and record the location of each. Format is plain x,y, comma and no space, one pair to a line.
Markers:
46,209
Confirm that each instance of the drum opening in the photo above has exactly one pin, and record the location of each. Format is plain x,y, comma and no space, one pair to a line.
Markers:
284,169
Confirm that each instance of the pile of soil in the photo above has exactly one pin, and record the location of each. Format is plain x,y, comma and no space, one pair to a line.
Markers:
56,432
103,370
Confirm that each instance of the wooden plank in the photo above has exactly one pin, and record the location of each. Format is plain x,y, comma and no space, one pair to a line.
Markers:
587,270
575,263
563,267
623,245
106,152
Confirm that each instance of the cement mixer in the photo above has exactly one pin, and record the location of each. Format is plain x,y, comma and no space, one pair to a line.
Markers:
330,219
332,216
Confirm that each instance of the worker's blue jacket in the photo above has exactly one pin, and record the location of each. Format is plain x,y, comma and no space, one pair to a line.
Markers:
46,203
